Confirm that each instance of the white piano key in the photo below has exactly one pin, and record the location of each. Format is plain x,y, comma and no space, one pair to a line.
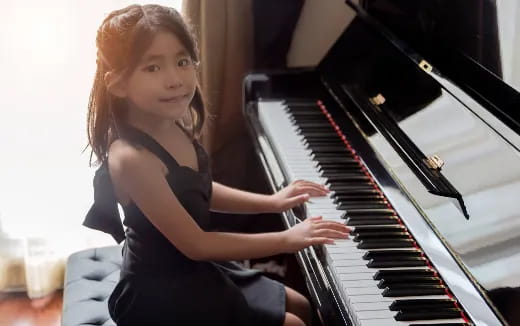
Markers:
376,314
334,248
356,276
370,298
362,291
380,298
361,306
393,322
350,262
360,283
345,256
344,243
382,305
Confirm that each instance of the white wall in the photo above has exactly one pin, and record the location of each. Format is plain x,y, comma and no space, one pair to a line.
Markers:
47,67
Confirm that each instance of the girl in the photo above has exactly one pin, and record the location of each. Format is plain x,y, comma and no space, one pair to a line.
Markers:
145,116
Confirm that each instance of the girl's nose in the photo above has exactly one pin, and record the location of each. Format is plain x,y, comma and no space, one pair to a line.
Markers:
173,80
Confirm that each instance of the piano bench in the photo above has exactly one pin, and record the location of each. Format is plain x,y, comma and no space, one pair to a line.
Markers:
90,277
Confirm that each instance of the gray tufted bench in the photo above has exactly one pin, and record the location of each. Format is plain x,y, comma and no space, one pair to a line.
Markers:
90,277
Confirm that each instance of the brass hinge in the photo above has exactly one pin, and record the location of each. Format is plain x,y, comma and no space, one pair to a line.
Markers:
425,66
378,99
434,162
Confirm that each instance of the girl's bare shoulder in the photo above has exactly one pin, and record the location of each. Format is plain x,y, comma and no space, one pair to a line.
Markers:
125,158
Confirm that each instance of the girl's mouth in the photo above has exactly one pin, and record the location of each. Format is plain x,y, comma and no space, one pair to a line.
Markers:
173,98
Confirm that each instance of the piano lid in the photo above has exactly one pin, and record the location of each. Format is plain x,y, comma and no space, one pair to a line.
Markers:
474,43
481,151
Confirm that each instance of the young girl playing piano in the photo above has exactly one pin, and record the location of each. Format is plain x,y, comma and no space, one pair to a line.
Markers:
145,115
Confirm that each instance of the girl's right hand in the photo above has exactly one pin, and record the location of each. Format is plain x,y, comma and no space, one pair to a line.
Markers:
314,231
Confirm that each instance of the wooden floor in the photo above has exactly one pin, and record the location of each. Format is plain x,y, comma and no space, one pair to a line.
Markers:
19,310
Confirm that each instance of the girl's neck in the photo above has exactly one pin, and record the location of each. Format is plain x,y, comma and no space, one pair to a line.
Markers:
151,124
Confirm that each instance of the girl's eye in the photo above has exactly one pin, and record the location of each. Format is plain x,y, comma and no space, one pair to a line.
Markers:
152,68
184,62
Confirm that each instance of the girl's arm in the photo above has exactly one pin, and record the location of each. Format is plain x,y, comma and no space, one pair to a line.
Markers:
139,175
230,200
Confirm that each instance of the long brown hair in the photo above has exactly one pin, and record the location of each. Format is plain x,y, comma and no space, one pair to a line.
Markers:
121,40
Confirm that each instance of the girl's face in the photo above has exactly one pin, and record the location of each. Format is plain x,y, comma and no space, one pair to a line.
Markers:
164,81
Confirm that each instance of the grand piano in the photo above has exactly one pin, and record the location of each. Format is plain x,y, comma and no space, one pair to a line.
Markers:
419,140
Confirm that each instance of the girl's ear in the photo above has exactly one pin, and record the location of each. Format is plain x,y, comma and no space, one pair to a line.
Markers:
115,84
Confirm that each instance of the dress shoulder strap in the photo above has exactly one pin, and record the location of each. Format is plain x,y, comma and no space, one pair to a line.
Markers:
141,138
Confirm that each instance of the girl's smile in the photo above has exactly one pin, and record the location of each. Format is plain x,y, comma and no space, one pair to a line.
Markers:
176,99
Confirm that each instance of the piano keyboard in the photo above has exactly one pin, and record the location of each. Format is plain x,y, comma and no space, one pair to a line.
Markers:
386,278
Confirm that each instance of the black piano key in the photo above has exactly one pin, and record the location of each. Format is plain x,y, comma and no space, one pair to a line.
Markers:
413,290
336,160
371,221
311,143
307,117
314,124
442,324
363,196
296,102
391,254
296,110
378,235
405,280
302,107
363,203
324,166
322,139
401,304
319,134
351,167
428,314
306,122
350,188
318,157
345,171
345,206
340,186
362,218
405,253
329,148
371,212
397,262
330,173
354,190
348,177
368,228
382,254
383,274
385,243
299,113
312,130
359,200
374,254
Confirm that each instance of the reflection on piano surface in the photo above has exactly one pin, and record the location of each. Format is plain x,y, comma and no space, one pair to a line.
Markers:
364,122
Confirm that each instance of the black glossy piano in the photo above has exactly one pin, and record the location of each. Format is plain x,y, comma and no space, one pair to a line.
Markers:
419,142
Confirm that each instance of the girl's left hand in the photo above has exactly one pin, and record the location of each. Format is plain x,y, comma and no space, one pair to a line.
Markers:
296,193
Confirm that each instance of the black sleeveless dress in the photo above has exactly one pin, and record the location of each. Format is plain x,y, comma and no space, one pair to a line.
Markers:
161,286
